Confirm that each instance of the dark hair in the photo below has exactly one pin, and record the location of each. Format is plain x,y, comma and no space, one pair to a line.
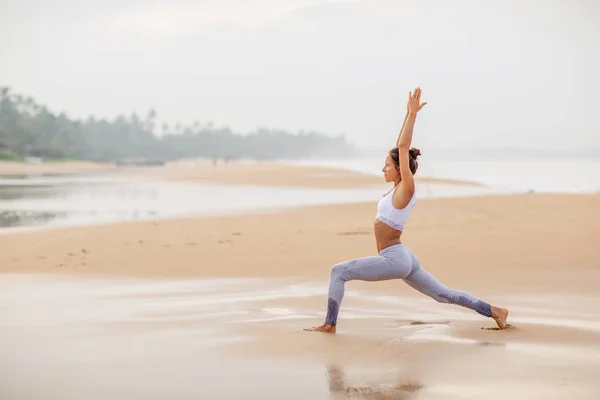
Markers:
413,153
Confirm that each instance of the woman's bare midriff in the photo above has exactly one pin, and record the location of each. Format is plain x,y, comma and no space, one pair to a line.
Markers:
385,235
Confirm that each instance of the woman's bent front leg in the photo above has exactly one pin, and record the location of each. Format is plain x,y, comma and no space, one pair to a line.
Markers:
372,269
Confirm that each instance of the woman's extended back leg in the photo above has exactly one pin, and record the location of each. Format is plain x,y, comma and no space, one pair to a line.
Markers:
421,280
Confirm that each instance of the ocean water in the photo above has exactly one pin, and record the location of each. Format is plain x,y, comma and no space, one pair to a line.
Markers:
46,201
76,200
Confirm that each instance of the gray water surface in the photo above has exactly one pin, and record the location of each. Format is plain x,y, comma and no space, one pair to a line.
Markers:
42,201
84,199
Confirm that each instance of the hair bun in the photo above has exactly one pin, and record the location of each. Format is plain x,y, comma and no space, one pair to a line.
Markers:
414,152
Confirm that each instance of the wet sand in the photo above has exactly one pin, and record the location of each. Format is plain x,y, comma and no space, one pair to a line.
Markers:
214,307
132,338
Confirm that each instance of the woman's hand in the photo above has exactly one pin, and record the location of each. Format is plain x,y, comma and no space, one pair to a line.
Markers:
414,102
413,106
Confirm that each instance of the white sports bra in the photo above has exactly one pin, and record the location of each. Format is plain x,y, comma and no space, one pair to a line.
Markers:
392,216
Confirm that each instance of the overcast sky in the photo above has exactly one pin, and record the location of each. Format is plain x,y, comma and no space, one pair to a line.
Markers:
512,73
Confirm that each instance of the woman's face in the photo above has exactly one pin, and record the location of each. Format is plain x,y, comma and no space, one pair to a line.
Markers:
390,173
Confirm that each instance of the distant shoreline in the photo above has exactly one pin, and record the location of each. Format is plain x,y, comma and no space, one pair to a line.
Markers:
8,168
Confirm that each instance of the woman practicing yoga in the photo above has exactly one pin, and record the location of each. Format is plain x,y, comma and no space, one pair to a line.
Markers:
395,260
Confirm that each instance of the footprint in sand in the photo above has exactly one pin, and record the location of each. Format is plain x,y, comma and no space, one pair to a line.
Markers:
338,386
352,233
430,323
507,327
488,344
83,260
423,324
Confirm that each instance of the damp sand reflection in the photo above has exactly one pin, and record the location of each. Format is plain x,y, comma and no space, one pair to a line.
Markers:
174,338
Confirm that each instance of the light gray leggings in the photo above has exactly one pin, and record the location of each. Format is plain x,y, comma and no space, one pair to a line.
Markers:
395,262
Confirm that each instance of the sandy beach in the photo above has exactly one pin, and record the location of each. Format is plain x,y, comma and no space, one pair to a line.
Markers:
276,174
214,307
62,167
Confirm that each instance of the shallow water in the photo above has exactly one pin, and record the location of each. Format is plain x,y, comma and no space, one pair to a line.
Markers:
69,337
38,201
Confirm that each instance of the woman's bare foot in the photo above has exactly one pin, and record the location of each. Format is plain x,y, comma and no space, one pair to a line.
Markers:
327,328
500,315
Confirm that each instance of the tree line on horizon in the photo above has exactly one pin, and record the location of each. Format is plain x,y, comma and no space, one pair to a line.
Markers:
28,129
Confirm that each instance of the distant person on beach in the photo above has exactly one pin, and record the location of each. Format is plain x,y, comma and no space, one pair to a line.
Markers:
395,260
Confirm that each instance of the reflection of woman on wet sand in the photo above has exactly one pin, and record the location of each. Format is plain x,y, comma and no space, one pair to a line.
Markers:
338,386
395,260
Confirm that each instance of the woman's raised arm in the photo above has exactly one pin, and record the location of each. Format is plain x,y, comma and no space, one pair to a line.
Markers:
407,184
